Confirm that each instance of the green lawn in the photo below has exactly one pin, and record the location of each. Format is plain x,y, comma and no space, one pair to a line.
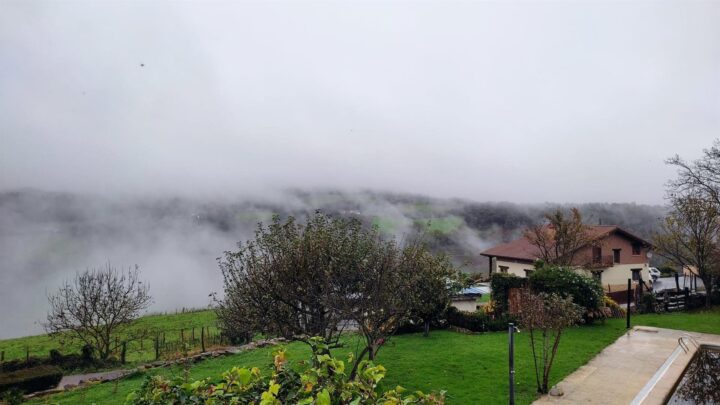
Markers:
442,225
40,345
471,368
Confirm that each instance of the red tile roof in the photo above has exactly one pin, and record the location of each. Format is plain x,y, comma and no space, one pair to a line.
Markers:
522,249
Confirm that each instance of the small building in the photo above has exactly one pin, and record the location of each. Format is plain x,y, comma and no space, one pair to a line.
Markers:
467,298
617,256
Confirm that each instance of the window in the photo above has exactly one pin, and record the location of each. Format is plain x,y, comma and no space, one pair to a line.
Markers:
616,255
636,247
503,269
636,274
528,272
596,254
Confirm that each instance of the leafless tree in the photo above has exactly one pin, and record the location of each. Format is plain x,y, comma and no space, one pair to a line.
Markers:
560,239
546,316
96,306
690,236
698,178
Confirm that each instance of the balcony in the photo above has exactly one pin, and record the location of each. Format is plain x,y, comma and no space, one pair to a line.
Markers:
597,262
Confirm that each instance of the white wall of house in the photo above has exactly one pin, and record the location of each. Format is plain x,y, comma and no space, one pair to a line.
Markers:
620,273
468,305
515,268
616,275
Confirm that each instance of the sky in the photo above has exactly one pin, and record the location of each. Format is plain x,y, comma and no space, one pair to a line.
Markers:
505,101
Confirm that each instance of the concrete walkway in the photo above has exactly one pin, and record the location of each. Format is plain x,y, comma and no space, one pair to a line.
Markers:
77,379
622,370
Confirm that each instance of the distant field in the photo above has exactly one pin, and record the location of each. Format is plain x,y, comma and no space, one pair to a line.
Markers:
443,225
471,368
171,325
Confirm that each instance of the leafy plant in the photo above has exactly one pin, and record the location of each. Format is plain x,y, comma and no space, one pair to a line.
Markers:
585,291
322,381
500,285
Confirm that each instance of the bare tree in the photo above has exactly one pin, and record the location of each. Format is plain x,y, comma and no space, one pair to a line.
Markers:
559,240
546,317
96,306
700,177
690,236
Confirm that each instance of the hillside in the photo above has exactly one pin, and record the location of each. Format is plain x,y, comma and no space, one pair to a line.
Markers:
46,236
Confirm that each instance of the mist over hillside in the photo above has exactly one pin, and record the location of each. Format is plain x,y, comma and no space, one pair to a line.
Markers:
45,237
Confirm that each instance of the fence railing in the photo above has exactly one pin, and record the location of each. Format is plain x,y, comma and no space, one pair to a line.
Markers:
154,344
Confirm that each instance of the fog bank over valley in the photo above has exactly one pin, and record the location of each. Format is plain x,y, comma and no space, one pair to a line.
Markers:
45,237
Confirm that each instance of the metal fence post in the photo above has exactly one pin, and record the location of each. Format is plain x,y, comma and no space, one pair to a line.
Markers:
629,298
511,374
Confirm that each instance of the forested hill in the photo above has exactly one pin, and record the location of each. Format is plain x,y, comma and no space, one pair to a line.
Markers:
41,230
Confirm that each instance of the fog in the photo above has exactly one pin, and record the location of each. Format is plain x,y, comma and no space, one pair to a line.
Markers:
160,133
46,237
502,101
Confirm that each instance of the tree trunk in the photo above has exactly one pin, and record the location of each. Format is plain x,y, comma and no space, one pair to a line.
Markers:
426,329
708,292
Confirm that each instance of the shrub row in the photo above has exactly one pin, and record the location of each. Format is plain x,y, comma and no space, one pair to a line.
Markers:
477,321
31,379
500,285
585,291
65,361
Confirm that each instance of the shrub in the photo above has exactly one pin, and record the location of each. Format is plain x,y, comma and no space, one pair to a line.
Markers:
585,291
472,321
13,396
31,379
500,285
55,356
323,380
478,321
616,311
648,304
67,362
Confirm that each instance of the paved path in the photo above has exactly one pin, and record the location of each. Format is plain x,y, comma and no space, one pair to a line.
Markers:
101,376
622,370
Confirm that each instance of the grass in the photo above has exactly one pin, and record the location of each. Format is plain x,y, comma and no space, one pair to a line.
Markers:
443,225
171,324
471,368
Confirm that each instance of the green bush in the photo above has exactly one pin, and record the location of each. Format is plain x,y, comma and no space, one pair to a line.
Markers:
13,396
323,380
648,304
67,362
585,291
500,285
472,321
31,379
477,321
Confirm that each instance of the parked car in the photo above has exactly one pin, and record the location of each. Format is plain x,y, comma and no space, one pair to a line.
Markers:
654,273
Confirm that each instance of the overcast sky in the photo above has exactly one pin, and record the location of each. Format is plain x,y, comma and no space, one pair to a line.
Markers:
527,102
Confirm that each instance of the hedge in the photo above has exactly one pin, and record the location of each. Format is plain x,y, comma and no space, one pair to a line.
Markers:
31,379
585,291
477,321
500,285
